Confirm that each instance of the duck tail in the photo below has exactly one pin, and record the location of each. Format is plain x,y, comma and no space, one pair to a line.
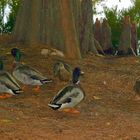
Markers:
17,91
54,106
47,81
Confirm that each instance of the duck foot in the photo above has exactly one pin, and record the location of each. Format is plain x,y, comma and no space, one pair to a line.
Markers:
71,110
24,87
5,96
137,98
36,89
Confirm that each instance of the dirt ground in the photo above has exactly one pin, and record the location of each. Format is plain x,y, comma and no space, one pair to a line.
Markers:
107,113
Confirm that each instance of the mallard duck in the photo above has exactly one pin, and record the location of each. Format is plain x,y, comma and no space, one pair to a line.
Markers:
70,96
62,70
8,84
26,74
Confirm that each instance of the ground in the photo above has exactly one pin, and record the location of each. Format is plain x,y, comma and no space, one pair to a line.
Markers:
108,112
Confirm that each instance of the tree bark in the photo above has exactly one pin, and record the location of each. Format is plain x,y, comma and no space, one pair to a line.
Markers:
69,29
57,23
125,39
106,37
98,31
134,38
49,22
86,34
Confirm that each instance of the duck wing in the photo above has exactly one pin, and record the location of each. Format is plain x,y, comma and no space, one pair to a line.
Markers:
68,67
8,81
56,69
12,79
61,94
65,95
31,72
69,96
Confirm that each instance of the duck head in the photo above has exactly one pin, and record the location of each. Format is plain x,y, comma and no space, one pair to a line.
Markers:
76,74
1,65
16,54
58,66
61,66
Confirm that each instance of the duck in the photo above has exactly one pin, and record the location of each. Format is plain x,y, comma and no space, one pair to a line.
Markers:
8,84
26,74
62,70
70,95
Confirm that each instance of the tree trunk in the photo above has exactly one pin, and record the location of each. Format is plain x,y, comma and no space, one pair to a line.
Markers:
76,9
69,29
56,23
125,40
134,38
49,22
22,20
86,28
106,37
98,47
98,31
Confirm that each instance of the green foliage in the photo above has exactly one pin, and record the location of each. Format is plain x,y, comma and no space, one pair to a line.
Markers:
114,20
3,4
13,5
134,13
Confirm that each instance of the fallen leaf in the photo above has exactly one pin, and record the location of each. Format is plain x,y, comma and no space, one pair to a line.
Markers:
108,123
5,121
96,97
